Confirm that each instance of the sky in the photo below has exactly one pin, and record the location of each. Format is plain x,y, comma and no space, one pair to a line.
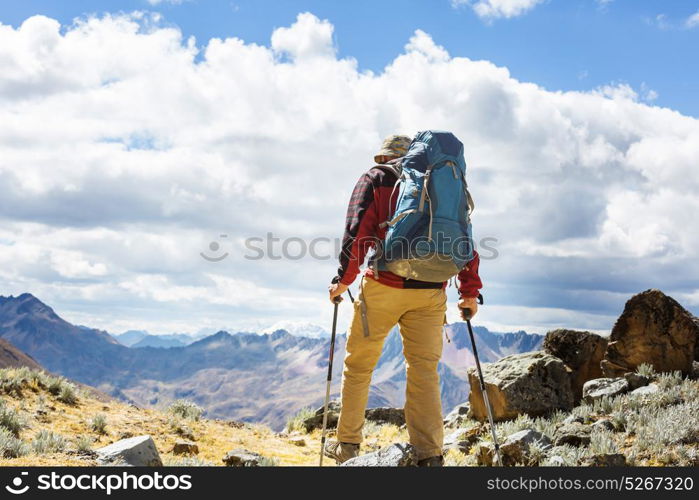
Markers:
164,163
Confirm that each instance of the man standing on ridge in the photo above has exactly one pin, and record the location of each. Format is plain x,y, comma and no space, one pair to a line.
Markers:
386,299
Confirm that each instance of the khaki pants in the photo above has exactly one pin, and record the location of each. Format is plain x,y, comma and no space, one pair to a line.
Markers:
420,314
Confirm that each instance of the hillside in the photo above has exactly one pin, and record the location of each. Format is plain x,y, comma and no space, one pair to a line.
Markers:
48,421
245,376
11,357
40,427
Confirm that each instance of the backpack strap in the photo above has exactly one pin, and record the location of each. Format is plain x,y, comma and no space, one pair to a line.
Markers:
393,166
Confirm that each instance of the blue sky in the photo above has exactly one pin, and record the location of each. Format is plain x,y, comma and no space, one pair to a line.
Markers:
125,152
559,44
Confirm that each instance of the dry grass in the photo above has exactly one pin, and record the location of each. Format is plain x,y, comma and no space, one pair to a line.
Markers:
42,412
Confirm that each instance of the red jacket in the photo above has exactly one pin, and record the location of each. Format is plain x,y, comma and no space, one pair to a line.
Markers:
370,205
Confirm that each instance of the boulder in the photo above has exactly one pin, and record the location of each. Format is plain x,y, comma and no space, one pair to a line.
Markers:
462,439
393,416
600,387
139,451
534,383
183,447
653,329
645,390
515,450
574,434
396,455
457,416
242,458
581,351
316,421
636,380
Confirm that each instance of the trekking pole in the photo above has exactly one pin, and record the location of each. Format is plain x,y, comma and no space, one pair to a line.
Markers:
466,314
337,301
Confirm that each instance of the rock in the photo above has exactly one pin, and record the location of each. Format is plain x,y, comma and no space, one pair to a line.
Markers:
607,460
598,388
185,432
457,416
396,455
183,447
393,416
516,448
645,391
636,380
139,451
297,441
534,383
462,439
242,458
574,434
581,351
653,329
316,421
604,424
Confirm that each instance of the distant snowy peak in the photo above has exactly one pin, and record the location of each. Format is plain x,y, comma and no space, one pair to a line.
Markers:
299,329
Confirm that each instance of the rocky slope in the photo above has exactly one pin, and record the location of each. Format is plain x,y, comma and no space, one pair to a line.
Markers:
250,377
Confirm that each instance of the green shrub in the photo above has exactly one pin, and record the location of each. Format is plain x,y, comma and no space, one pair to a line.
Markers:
602,442
54,385
48,442
669,380
295,422
186,409
98,423
67,394
11,446
521,423
646,370
83,444
10,419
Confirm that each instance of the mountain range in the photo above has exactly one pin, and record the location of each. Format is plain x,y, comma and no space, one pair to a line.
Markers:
242,376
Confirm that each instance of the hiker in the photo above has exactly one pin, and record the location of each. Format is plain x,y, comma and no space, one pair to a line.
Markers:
386,299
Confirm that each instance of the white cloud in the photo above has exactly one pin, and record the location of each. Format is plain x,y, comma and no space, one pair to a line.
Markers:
693,20
308,38
115,173
493,9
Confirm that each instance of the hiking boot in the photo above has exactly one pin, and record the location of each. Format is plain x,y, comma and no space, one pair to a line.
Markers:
341,452
431,462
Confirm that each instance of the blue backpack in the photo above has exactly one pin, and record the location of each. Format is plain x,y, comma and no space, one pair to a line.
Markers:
429,234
